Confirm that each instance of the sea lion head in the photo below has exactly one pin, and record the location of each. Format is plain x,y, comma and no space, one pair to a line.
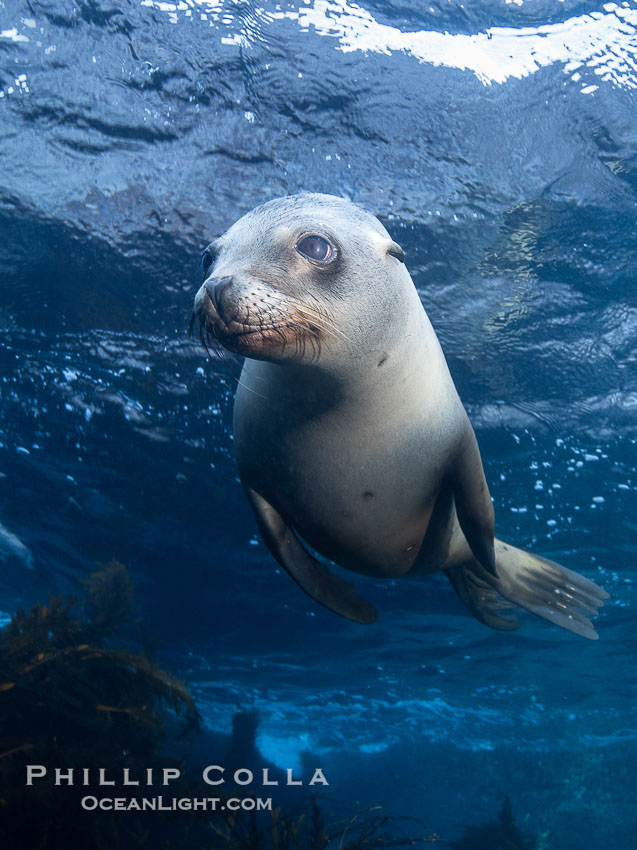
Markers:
302,278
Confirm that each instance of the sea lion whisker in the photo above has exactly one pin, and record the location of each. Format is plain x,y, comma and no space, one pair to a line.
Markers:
250,389
302,341
296,302
299,322
204,340
284,301
210,342
317,319
315,342
312,318
321,319
321,323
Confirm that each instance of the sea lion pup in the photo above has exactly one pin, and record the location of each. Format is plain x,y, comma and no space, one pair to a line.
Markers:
349,435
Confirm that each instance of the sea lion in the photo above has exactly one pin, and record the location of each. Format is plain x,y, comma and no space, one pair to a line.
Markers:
349,435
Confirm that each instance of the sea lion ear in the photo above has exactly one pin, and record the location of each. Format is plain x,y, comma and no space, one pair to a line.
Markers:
396,251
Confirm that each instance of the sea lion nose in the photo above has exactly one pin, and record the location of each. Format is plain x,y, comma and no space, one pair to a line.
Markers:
215,288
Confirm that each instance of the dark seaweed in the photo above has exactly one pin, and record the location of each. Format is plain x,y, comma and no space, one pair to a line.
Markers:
68,701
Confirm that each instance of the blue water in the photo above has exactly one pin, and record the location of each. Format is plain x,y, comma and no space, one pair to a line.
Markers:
497,142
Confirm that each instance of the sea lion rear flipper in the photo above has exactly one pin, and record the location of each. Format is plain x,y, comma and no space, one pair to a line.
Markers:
474,508
549,590
543,587
481,599
311,576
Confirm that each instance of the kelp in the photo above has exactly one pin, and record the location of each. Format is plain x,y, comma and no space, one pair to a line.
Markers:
69,701
319,826
57,676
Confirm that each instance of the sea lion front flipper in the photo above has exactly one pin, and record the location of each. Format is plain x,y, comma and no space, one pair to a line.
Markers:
474,508
311,576
481,599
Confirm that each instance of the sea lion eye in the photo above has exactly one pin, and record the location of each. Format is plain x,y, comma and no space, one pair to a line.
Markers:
316,248
207,259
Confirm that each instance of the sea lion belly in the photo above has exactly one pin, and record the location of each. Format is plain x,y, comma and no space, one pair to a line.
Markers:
348,483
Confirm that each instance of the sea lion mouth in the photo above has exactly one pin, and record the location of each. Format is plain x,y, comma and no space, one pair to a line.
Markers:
262,342
254,318
273,328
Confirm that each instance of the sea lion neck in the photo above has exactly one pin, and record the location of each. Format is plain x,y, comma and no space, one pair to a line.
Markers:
378,375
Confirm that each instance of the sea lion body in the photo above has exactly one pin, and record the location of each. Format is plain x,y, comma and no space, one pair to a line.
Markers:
357,491
350,437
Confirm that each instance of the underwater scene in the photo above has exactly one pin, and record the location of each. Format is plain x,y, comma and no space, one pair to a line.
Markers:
289,626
